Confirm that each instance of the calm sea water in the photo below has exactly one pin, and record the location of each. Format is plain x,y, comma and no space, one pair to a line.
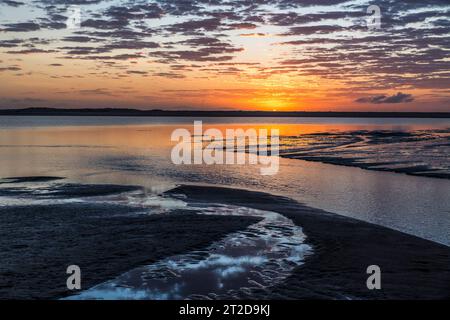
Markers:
129,150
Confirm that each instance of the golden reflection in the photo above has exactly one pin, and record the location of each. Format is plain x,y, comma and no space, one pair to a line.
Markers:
143,136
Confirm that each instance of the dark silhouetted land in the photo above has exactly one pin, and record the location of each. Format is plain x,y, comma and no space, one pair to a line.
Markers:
198,113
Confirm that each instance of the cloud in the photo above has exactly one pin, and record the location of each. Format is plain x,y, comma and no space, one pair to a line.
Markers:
309,30
136,11
170,75
378,99
204,54
11,68
82,50
104,24
12,3
123,33
97,91
306,3
79,39
21,27
138,72
294,18
242,25
202,49
132,45
123,57
30,51
193,26
254,35
10,43
70,2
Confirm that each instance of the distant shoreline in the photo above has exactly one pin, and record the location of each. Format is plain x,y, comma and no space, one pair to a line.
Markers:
197,113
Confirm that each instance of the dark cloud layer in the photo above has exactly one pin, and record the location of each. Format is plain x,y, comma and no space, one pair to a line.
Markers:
12,3
378,99
20,27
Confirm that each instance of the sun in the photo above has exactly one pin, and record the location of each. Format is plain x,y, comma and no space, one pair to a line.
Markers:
274,104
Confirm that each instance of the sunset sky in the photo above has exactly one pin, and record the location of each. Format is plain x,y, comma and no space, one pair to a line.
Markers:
233,54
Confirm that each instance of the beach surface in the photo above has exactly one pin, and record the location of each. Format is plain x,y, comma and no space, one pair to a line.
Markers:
44,230
419,153
411,267
39,241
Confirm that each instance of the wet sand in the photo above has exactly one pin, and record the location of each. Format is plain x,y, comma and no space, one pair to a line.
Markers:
39,241
412,268
419,153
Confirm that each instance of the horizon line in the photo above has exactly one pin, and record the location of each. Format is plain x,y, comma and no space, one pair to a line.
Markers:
48,111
